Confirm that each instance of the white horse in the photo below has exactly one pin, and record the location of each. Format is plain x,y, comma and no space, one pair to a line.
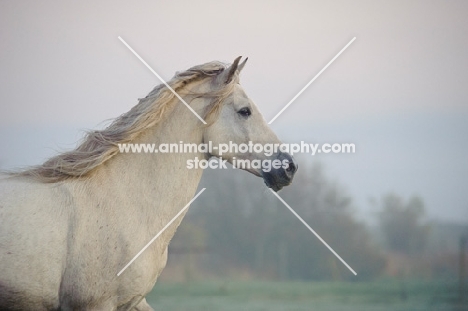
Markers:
68,226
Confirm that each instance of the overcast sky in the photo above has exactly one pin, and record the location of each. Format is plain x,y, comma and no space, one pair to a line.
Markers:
399,92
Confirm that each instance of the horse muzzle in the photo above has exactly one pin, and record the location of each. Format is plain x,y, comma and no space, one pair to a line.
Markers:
277,178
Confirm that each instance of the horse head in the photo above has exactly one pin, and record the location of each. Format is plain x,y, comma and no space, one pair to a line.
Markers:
240,125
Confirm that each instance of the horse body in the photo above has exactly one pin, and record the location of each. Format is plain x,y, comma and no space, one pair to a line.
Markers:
64,239
82,232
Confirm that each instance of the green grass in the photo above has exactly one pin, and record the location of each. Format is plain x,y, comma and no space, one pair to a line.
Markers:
291,296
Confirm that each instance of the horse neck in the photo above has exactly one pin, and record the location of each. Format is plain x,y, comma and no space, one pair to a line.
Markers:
157,183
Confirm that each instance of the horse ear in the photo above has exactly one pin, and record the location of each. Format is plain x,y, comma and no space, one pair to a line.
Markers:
241,66
231,70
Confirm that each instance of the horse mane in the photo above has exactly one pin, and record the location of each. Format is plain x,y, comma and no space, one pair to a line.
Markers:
98,146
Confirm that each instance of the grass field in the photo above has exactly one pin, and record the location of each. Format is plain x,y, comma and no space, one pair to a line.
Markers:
291,296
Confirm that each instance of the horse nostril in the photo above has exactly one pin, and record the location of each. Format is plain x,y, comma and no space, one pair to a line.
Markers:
291,167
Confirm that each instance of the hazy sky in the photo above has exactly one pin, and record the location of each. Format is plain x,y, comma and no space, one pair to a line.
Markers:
399,92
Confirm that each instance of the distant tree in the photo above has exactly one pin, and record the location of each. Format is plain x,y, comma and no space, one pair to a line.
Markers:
329,210
402,224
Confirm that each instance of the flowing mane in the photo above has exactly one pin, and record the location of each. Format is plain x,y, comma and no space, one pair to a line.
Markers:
100,145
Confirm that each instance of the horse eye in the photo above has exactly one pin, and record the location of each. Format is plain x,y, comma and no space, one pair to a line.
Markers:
245,112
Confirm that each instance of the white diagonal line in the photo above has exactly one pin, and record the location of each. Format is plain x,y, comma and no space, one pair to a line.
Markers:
315,233
313,79
161,79
160,232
